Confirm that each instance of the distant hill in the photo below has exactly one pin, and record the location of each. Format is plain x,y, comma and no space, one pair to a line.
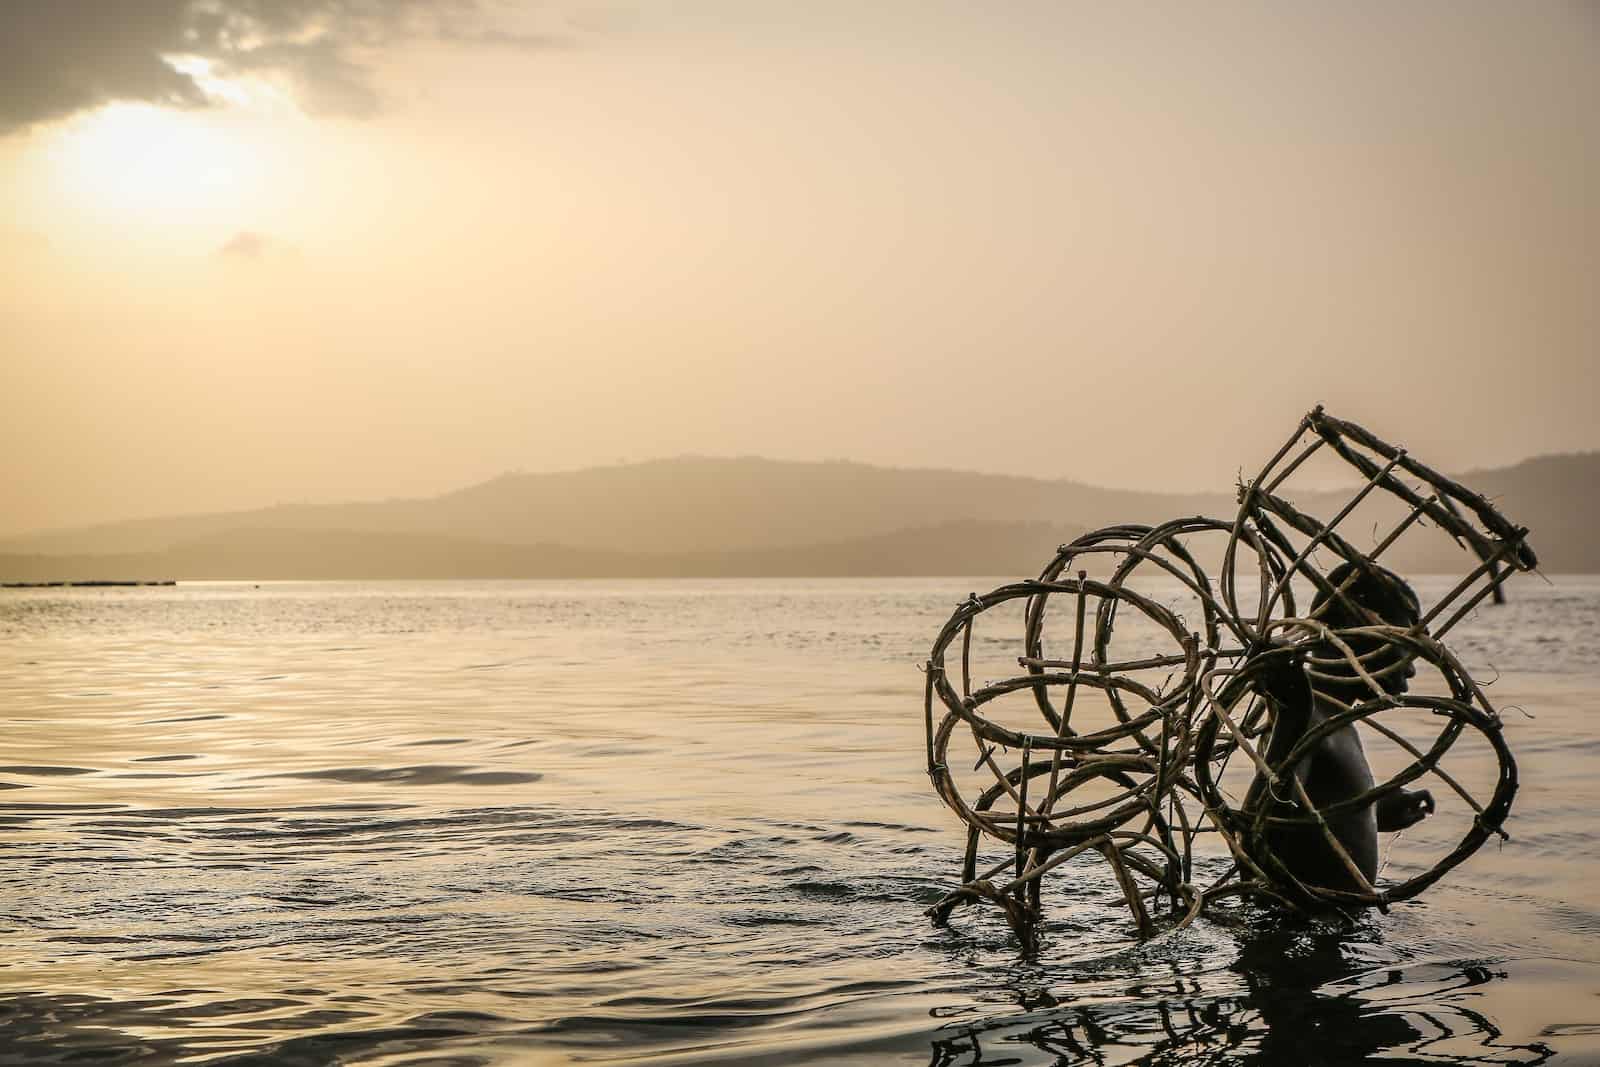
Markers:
698,516
678,505
1558,499
963,547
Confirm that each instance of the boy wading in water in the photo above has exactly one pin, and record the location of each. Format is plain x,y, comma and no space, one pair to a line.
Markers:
1336,769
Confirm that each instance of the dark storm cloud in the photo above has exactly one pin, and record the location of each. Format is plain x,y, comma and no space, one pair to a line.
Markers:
58,57
61,56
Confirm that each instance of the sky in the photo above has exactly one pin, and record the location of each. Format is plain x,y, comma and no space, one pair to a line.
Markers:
261,251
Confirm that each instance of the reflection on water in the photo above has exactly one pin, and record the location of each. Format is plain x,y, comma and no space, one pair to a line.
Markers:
1303,1000
670,821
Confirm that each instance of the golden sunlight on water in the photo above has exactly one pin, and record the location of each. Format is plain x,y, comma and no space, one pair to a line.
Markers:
670,821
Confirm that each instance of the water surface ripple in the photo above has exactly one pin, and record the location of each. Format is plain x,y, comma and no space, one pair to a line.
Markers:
672,821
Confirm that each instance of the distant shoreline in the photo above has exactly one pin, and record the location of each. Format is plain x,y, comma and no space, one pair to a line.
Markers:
993,576
97,583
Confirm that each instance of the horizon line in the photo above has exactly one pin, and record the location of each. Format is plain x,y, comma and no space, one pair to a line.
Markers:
45,531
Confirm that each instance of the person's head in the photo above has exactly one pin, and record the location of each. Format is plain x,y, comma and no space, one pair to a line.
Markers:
1365,594
1382,592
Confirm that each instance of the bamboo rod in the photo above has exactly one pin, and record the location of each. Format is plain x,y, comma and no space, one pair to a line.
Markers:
1156,776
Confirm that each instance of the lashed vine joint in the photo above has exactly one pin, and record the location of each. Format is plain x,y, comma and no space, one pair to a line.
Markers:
1264,684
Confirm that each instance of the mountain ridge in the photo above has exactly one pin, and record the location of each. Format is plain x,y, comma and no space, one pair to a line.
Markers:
801,503
752,511
960,546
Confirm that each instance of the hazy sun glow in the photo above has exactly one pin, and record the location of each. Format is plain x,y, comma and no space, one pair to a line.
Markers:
373,262
136,164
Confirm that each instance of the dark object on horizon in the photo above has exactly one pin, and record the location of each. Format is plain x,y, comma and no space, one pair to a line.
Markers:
92,584
1305,835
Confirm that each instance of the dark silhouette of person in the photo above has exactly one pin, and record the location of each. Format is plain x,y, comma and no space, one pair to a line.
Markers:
1336,769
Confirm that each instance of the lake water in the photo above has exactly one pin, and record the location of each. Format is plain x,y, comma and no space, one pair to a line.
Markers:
673,821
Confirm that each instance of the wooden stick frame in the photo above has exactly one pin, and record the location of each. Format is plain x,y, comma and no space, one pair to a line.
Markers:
1158,768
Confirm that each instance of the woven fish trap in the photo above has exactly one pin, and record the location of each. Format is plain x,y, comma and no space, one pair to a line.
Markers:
1302,643
1249,829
